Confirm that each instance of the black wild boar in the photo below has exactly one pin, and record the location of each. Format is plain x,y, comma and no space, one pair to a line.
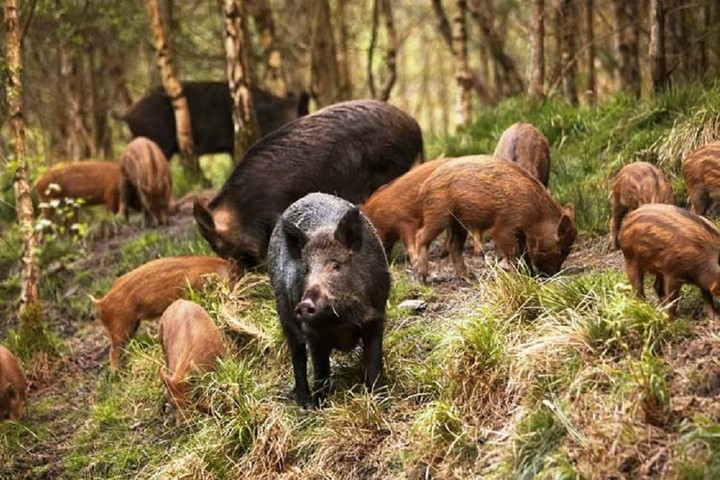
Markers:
331,281
348,149
525,145
676,246
636,184
210,115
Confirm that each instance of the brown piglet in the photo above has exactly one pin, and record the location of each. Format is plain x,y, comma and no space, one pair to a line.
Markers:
147,291
485,193
145,169
525,145
191,343
636,184
701,171
92,181
677,247
13,388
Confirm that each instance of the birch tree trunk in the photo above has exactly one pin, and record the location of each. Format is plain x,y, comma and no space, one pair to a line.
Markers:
274,75
462,68
30,272
537,50
244,120
173,87
658,68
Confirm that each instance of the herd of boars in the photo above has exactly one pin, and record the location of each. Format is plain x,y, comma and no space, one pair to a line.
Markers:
321,202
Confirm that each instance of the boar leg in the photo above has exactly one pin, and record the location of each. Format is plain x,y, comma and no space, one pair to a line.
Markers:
457,242
431,229
660,286
711,310
618,213
321,371
408,232
672,293
635,276
298,354
477,242
372,357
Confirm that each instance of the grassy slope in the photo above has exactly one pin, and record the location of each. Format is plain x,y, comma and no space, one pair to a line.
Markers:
502,378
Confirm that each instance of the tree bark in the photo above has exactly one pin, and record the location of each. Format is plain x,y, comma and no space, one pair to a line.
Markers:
274,75
658,66
173,87
537,50
390,54
244,120
627,37
344,61
569,53
324,66
462,71
30,272
557,65
590,90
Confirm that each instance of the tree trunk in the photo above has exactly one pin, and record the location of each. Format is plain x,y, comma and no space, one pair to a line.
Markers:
557,66
627,38
462,72
244,121
390,54
77,141
569,54
537,50
344,60
30,272
173,87
658,67
324,66
590,90
274,75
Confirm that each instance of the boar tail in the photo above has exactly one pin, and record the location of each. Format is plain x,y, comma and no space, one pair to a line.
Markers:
95,300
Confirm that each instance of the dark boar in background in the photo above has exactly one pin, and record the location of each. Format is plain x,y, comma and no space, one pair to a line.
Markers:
210,116
484,193
636,184
676,246
144,169
13,388
701,171
348,149
525,145
331,281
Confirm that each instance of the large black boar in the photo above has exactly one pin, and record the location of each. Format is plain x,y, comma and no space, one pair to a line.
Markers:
210,114
348,149
331,282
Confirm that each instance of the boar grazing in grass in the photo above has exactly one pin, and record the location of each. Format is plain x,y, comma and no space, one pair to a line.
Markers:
676,246
144,169
94,182
147,291
191,343
483,193
348,149
636,184
13,388
525,145
331,281
701,171
395,211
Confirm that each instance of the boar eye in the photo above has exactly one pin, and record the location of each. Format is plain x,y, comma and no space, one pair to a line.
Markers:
336,266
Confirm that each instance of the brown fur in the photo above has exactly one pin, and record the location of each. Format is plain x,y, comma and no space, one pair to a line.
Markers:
191,343
93,181
636,184
525,145
144,167
13,388
677,247
485,193
395,211
185,203
148,290
701,171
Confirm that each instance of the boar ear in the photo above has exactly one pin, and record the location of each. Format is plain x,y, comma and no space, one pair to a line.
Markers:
349,231
10,392
566,221
569,210
295,239
203,217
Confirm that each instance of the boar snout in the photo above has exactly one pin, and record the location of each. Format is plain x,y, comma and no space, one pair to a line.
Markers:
305,310
312,304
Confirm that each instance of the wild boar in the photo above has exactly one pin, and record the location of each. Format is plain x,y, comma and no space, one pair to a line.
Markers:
191,343
331,281
13,389
92,181
636,184
701,171
676,246
147,291
484,193
210,108
144,168
525,145
348,149
185,203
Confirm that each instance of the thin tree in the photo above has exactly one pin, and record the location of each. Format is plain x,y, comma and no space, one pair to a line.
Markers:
658,68
173,87
344,59
274,74
390,54
537,50
325,76
30,272
569,52
462,68
590,92
244,121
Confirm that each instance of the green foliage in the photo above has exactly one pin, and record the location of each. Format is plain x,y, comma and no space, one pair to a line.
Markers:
33,336
538,434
